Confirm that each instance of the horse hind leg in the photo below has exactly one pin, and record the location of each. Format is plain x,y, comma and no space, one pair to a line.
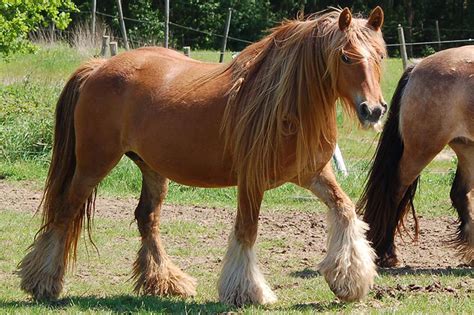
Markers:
42,269
412,162
153,271
461,197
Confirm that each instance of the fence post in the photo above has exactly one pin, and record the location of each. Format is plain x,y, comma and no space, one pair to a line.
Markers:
113,48
226,33
94,8
52,29
438,35
339,161
105,45
122,24
187,51
167,22
403,47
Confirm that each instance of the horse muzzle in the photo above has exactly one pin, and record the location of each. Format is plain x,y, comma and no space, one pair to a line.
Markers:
371,115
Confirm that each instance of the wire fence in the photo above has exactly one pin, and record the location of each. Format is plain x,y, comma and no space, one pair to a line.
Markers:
393,44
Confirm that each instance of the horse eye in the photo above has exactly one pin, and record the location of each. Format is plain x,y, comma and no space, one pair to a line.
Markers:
346,59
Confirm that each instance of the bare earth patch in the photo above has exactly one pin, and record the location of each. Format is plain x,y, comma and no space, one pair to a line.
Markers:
446,155
285,235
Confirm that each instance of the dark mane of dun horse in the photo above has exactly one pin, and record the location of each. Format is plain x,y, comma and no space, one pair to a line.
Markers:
266,118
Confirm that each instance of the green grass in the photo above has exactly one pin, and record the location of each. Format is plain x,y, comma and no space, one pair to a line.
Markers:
29,87
101,283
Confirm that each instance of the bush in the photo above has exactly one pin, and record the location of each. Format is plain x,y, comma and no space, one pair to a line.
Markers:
19,17
427,50
26,120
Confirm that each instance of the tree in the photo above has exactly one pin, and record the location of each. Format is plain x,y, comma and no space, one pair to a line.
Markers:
19,17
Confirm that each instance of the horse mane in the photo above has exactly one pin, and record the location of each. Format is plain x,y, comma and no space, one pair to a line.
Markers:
285,86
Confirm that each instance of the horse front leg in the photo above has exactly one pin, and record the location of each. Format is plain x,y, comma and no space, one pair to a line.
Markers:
241,281
153,270
349,266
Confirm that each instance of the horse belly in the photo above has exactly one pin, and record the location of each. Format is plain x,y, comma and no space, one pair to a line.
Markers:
184,145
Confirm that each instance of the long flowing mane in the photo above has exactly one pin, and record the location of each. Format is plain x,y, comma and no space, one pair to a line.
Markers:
285,85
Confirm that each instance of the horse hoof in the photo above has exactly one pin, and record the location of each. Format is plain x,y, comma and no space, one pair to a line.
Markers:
166,281
42,269
351,290
387,261
47,288
349,267
258,296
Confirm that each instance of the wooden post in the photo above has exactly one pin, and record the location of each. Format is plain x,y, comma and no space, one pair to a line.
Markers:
438,35
187,51
167,22
105,45
113,48
94,8
302,5
122,24
403,47
226,33
52,29
339,161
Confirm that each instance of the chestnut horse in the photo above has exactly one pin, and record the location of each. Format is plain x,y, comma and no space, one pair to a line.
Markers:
266,118
433,106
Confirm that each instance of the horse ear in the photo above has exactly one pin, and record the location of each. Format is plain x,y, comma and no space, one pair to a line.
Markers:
375,20
345,19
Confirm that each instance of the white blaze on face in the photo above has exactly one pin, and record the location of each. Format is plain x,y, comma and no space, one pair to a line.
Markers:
359,97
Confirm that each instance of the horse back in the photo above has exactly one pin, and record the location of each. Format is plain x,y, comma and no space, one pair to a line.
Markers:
439,98
147,101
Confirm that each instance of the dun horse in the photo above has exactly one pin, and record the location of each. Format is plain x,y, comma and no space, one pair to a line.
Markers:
266,118
433,106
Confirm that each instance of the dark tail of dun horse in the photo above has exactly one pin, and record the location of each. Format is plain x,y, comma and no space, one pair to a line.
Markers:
60,174
381,192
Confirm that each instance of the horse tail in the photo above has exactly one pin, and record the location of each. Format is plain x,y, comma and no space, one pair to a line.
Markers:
63,161
378,200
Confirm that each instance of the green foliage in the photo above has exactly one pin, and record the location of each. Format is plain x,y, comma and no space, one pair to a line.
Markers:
18,17
29,91
251,19
427,50
152,30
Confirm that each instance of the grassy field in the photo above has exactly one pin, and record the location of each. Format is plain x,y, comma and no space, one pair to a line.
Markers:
29,87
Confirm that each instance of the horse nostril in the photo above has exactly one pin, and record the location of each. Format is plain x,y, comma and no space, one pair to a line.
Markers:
384,105
376,113
364,111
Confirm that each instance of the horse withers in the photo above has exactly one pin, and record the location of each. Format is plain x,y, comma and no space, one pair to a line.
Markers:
266,118
433,106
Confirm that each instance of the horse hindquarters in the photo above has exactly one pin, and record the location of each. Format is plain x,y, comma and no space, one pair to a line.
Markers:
69,197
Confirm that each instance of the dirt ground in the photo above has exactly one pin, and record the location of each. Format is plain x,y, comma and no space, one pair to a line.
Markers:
431,251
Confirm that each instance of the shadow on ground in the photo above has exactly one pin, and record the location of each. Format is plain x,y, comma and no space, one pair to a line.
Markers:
401,271
461,271
132,304
124,304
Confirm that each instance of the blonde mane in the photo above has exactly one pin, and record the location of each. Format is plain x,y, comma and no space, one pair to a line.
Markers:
285,86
